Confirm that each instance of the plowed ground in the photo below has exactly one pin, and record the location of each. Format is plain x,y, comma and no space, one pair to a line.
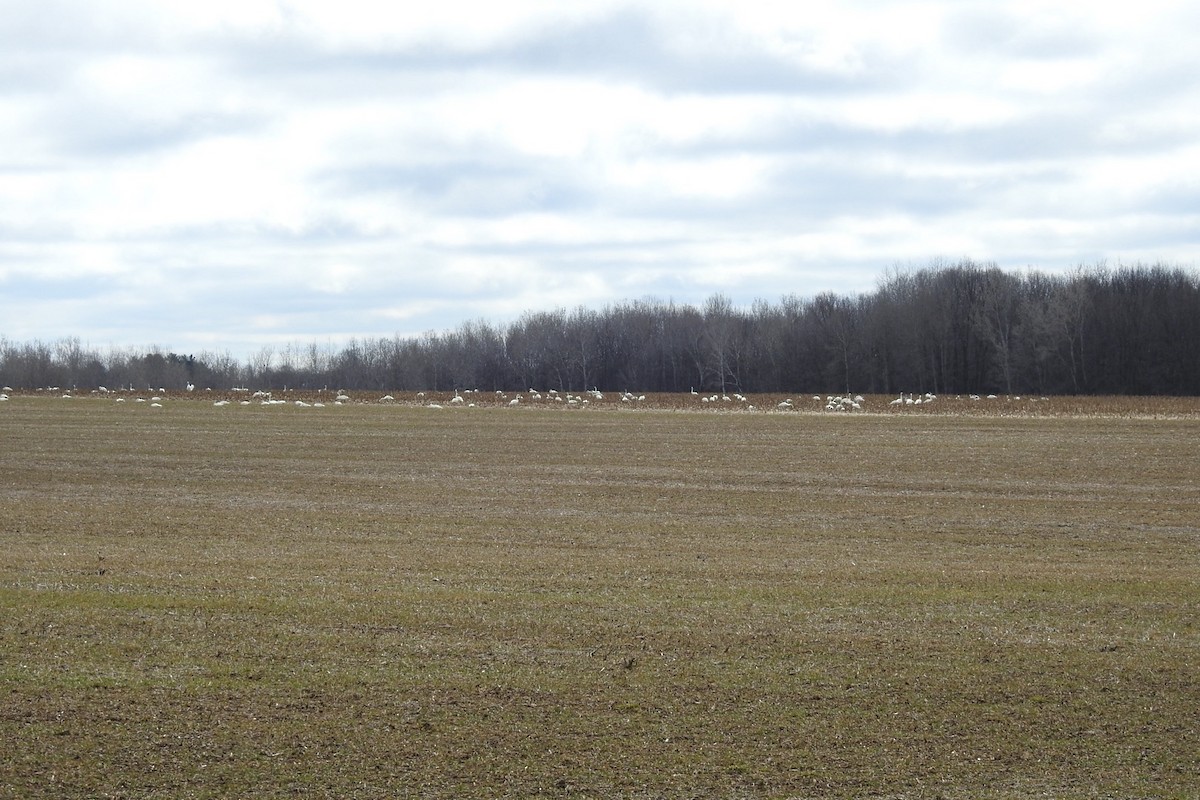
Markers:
389,601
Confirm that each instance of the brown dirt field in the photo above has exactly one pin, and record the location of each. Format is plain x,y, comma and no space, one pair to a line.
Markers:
958,600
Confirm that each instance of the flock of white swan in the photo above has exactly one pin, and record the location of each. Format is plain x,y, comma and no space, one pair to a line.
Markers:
471,398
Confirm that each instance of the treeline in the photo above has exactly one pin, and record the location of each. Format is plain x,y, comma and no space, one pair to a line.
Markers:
956,328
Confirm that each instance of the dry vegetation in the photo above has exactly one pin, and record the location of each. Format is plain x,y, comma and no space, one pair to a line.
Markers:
382,600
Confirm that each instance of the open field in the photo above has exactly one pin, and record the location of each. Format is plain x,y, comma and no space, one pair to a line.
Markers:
384,600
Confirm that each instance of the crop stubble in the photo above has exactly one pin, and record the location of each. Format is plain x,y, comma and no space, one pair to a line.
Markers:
381,601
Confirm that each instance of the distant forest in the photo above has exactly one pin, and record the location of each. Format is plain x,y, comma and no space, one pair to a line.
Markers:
946,328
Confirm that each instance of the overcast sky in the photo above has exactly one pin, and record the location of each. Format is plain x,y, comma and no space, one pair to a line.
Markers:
232,174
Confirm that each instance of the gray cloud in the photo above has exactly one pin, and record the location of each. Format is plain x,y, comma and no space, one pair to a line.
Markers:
466,185
112,132
1012,33
632,45
627,44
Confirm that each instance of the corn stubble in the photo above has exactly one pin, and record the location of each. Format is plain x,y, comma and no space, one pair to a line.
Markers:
390,601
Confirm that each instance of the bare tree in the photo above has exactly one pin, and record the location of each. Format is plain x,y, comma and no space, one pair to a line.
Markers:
995,317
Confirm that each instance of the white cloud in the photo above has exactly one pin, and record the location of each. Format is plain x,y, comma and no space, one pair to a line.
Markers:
281,168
